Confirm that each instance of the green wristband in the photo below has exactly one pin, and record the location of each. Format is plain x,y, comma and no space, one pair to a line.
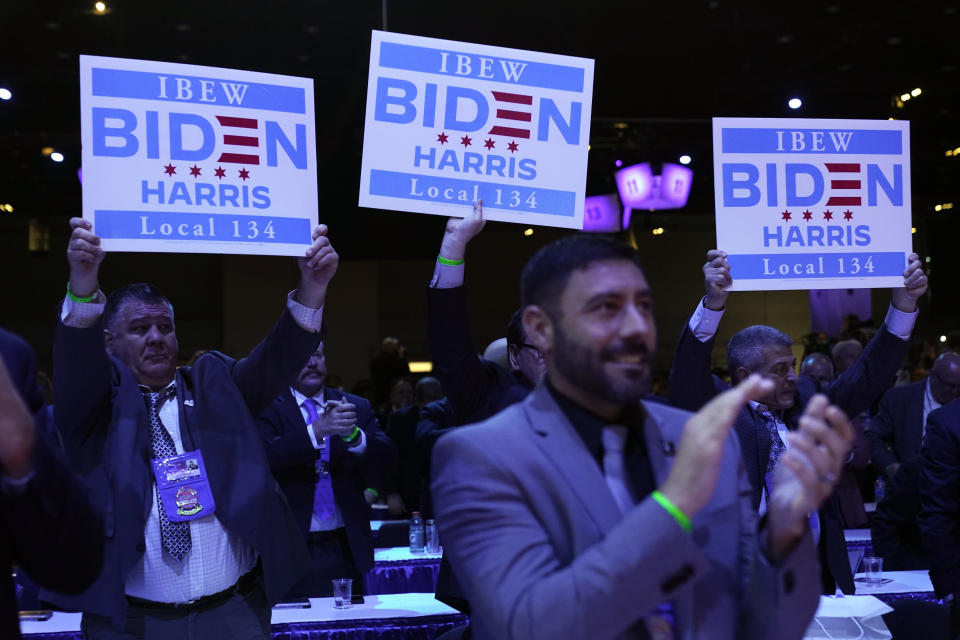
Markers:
89,298
449,263
376,494
353,436
673,510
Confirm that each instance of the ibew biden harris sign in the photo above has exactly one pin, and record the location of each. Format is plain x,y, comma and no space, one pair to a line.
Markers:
813,204
184,158
448,123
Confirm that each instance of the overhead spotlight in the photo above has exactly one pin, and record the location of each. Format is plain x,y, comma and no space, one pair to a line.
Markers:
915,92
528,232
905,97
795,103
100,7
684,159
658,231
913,229
618,163
5,94
56,156
943,338
47,151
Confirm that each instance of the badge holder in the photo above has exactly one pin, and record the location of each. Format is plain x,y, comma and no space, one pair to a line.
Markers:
183,486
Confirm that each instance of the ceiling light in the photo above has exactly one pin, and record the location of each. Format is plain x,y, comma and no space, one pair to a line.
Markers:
795,103
100,7
913,229
915,92
618,163
943,338
684,159
56,156
421,366
5,94
905,97
528,232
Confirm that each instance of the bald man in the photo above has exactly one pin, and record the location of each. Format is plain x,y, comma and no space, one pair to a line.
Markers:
819,367
896,432
844,354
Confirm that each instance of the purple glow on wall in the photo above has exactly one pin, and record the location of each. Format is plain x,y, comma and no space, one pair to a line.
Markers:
601,214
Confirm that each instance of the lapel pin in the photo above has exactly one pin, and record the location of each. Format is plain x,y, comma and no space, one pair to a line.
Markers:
668,448
188,403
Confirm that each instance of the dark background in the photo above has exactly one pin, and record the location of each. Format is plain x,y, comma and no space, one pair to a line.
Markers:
662,71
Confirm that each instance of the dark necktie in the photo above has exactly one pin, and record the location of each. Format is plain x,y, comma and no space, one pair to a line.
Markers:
776,442
174,536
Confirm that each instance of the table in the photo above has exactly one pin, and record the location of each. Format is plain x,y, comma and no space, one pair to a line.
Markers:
407,616
903,585
396,570
858,538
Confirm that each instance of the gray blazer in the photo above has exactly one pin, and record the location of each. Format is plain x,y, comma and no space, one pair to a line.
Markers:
542,550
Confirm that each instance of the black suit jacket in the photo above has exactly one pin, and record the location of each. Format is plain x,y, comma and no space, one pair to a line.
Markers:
940,498
893,528
47,527
293,461
692,385
102,417
476,388
896,431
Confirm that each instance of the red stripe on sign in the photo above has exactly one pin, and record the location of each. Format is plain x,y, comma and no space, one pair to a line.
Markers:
506,114
841,167
243,123
843,202
517,98
844,184
242,141
239,158
510,132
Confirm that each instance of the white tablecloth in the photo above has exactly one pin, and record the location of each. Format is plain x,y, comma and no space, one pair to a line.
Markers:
856,535
398,554
900,582
395,605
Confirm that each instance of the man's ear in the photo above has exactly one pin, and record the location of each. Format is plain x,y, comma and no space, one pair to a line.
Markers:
108,341
741,374
538,328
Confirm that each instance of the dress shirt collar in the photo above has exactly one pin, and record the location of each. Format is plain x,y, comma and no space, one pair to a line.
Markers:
317,397
589,426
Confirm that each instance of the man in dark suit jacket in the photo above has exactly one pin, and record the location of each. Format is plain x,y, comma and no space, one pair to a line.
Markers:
896,432
323,465
47,526
939,489
764,350
894,531
121,408
584,512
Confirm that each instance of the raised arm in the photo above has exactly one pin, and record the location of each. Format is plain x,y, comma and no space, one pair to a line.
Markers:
692,384
273,363
466,379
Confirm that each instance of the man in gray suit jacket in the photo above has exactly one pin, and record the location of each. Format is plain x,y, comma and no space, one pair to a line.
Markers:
583,512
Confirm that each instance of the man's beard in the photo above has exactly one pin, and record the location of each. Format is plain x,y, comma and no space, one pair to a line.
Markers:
585,370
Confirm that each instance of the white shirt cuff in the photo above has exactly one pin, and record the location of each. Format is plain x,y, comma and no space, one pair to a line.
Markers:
313,438
308,319
704,322
360,448
446,276
82,315
900,323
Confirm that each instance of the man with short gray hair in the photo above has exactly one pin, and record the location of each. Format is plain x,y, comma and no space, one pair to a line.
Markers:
762,426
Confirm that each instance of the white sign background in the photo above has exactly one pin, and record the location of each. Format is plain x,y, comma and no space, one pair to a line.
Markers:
813,204
426,150
240,147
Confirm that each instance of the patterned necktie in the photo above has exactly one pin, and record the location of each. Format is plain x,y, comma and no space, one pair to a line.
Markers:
174,536
324,503
777,447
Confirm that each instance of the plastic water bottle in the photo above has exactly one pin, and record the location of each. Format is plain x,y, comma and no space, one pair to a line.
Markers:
879,488
416,533
433,537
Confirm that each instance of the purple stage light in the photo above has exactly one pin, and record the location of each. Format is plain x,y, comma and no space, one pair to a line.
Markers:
601,214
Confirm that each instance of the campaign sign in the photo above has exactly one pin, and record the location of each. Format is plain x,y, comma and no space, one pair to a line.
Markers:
182,158
813,204
449,123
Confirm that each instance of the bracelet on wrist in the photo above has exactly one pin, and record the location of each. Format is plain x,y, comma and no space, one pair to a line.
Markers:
449,263
77,298
673,510
353,437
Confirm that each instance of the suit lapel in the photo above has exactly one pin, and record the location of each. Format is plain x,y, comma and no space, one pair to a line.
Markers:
657,443
561,444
